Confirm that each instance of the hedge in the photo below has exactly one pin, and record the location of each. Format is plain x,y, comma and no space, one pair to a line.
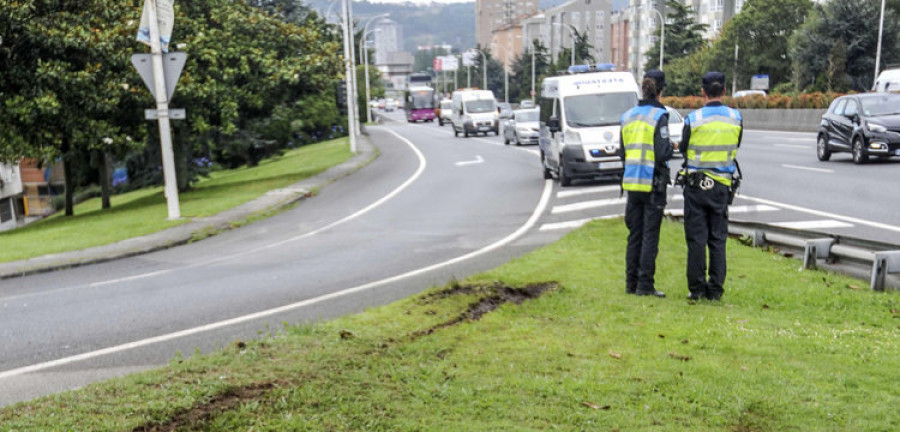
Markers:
804,100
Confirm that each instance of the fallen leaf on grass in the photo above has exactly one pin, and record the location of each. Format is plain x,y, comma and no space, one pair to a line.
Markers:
765,306
679,356
685,341
854,287
894,312
744,368
347,334
661,336
615,355
595,406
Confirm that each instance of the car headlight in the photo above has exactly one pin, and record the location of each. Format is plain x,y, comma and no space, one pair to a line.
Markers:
572,138
877,128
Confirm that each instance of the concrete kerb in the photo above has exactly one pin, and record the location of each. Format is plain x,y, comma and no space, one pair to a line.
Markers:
199,228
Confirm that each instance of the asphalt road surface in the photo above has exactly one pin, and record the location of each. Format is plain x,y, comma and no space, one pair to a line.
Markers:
431,208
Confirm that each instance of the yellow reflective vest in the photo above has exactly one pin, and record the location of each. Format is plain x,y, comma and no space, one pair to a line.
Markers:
715,133
638,130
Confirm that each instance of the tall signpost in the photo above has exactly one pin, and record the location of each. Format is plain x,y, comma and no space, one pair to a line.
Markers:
159,14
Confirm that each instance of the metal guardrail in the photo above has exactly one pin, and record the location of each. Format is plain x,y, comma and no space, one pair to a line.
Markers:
829,250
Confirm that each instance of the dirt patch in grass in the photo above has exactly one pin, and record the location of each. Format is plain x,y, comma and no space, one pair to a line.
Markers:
493,296
203,412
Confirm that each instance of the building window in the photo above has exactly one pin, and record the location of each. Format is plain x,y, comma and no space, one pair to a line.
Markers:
720,5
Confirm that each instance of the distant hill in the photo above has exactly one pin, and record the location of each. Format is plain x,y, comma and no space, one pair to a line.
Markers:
436,23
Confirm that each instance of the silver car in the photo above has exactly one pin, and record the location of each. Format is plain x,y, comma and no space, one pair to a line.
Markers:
523,127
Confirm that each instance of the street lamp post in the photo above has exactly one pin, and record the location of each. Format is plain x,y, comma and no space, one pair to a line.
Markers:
366,72
532,71
346,17
366,63
483,69
878,51
662,38
572,38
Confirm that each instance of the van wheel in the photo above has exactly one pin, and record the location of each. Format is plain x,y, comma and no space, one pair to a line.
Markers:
466,133
440,122
505,141
564,180
455,132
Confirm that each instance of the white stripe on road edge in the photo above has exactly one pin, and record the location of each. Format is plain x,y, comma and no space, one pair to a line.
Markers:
477,160
816,224
793,146
849,219
587,205
575,223
731,210
822,170
538,211
584,191
370,207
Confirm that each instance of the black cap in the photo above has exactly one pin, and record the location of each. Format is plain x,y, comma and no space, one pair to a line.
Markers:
713,76
658,76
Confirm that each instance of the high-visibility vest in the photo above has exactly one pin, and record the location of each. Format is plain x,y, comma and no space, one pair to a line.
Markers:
715,131
638,129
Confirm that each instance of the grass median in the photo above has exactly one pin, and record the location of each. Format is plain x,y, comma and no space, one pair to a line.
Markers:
549,341
144,211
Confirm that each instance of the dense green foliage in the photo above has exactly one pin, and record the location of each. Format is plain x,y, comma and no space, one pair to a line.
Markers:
68,88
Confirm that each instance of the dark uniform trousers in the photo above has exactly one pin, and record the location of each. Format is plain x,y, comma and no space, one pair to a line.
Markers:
706,224
643,216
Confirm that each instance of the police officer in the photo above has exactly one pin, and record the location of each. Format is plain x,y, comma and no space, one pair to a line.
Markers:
646,150
711,137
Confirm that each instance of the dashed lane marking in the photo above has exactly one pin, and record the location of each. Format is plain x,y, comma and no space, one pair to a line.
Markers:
585,191
575,223
586,205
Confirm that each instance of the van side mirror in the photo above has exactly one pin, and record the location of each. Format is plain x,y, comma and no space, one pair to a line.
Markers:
553,124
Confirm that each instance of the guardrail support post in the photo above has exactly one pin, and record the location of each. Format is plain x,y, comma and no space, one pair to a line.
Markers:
759,238
884,263
816,249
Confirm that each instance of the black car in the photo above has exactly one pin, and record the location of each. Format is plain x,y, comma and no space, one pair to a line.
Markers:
863,124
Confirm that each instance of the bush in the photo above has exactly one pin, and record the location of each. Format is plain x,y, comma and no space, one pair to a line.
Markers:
816,100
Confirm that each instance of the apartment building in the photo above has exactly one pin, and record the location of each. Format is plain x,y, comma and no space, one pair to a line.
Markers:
591,17
493,15
388,38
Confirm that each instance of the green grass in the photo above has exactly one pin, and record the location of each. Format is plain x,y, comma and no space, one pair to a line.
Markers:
144,211
785,350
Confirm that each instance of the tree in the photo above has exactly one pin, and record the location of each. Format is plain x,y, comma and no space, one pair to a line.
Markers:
761,32
64,81
520,72
683,35
852,26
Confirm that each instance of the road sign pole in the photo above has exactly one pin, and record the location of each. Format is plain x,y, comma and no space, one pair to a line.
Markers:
162,109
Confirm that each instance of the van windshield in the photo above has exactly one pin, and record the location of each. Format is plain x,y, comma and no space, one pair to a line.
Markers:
603,109
480,106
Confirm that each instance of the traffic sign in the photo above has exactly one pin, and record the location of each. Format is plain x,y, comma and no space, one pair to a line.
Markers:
174,114
173,64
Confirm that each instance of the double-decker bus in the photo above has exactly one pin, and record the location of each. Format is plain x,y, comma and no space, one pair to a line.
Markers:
419,103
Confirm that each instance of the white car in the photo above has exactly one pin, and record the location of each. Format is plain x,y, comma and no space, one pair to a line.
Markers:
744,93
676,127
446,109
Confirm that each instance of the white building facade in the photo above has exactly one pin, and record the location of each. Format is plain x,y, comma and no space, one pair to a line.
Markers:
10,191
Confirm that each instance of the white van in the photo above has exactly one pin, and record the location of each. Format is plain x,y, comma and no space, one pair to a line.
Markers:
888,81
580,121
474,111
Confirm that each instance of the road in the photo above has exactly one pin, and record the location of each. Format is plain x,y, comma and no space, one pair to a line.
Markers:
430,209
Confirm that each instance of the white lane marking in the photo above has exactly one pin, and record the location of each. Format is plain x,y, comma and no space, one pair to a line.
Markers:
587,205
370,207
821,170
731,210
538,211
477,160
575,223
793,146
584,191
815,224
849,219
